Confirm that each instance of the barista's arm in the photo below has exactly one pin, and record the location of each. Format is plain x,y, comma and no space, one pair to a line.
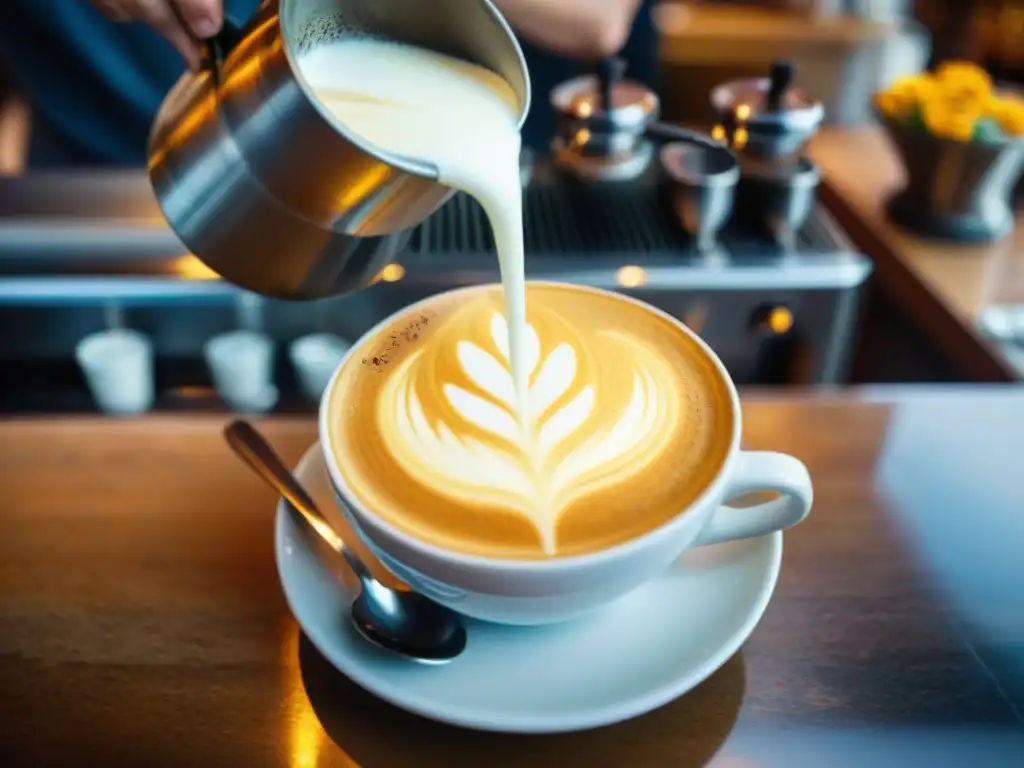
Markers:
577,28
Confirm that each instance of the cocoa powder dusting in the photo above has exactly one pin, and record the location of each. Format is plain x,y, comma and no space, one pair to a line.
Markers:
395,340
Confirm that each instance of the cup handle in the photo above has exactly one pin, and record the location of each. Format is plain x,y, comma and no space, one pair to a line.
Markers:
761,471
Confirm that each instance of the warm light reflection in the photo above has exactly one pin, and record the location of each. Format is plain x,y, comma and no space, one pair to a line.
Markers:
631,276
243,75
203,111
188,267
360,186
305,736
739,138
392,273
582,137
743,112
780,320
718,133
584,109
190,392
187,126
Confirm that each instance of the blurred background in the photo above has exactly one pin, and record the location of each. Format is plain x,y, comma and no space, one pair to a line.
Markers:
85,251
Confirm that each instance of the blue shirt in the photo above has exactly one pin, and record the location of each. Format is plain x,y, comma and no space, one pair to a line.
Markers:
95,86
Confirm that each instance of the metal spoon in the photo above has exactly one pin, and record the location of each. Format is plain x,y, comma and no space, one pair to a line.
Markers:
406,623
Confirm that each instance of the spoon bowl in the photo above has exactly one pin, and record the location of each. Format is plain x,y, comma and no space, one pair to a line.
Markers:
398,620
411,625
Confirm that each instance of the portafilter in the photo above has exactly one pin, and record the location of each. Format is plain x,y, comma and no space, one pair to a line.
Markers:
615,115
768,117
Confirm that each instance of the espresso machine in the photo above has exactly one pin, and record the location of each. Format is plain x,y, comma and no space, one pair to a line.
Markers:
622,202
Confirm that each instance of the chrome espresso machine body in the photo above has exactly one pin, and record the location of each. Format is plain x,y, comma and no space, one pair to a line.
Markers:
81,252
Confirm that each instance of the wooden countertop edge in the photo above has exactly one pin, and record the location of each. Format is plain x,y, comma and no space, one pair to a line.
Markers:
185,422
967,349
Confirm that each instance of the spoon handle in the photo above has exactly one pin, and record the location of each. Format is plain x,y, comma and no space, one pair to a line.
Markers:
252,448
665,132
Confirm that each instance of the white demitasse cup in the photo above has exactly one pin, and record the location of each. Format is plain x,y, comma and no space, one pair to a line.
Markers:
118,367
528,592
315,358
241,364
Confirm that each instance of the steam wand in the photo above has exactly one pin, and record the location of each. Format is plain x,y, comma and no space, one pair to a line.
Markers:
661,133
664,133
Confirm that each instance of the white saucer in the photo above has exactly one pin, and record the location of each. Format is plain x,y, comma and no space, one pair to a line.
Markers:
633,656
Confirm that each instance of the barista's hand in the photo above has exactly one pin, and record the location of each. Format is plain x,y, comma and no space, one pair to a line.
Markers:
182,22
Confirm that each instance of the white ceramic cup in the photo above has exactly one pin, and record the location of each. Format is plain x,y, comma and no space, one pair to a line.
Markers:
241,364
544,591
118,367
315,358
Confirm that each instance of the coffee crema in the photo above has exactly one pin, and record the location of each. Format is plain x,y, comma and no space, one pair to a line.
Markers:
628,421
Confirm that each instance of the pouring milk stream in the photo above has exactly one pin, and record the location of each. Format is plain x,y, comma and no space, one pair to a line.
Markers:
507,436
460,117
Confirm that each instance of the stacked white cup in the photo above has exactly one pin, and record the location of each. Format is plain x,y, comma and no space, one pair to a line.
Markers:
241,364
315,358
118,367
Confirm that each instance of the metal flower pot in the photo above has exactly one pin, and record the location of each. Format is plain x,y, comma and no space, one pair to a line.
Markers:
955,190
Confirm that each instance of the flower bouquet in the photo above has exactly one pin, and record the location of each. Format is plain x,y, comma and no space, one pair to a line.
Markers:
962,145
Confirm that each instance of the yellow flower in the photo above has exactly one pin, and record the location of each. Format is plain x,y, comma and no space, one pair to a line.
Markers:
904,96
964,82
1009,113
891,105
962,70
949,118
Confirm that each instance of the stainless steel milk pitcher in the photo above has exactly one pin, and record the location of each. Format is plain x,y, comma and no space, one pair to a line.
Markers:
269,192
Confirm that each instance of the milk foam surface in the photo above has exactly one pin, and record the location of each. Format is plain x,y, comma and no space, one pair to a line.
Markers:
628,423
459,116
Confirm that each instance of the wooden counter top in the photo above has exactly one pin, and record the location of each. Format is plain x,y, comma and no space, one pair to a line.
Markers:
142,624
944,286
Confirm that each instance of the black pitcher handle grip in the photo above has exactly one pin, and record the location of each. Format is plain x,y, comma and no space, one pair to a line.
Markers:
219,47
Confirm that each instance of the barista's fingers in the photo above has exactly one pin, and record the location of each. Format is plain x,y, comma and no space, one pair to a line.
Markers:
202,17
163,17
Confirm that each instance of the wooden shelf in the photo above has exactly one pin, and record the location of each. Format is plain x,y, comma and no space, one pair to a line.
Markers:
685,30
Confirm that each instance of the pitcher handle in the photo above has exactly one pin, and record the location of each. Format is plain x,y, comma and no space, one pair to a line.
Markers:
219,47
761,471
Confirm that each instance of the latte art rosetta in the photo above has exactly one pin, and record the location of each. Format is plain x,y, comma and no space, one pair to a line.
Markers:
623,423
599,408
